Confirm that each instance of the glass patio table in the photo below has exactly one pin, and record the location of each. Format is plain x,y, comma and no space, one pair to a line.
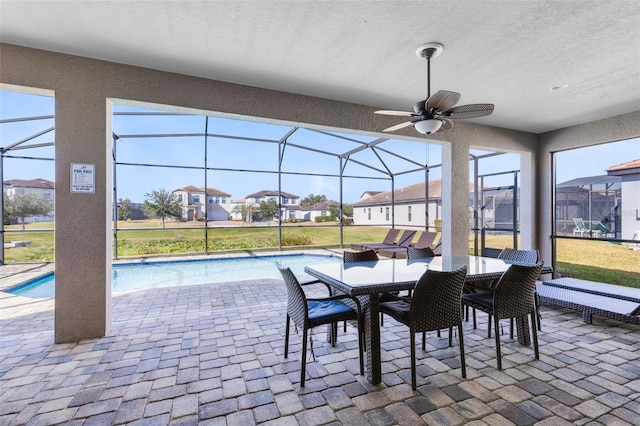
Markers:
368,279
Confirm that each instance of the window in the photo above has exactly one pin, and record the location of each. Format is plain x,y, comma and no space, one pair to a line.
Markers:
386,213
224,200
369,213
217,200
380,209
180,197
409,213
210,200
323,213
196,198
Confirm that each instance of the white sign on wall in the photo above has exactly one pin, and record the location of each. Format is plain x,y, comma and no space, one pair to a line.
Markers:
83,178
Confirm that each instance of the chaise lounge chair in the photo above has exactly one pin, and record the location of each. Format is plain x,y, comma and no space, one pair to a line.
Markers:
580,228
601,231
426,239
404,240
389,239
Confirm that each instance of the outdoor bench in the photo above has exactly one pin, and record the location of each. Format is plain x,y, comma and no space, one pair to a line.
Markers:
611,290
589,303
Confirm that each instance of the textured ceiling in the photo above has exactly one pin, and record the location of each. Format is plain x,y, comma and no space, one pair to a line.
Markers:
509,53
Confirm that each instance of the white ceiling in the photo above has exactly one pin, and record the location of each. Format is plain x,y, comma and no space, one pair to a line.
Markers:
509,53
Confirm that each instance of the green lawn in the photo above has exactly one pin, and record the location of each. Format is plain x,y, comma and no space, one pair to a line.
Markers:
592,260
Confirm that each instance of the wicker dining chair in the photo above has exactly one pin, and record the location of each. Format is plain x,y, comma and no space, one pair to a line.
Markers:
419,253
514,296
359,256
530,257
434,305
308,313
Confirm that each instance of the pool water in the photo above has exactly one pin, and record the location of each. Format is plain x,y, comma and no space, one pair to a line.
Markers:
141,276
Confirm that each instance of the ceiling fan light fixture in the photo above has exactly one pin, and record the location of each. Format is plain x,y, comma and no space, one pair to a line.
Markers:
426,127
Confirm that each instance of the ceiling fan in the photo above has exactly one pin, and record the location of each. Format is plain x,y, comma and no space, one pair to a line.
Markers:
435,113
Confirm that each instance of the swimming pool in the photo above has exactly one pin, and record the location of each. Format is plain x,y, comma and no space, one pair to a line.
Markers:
129,277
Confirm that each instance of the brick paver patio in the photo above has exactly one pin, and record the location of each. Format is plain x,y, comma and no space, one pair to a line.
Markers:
213,355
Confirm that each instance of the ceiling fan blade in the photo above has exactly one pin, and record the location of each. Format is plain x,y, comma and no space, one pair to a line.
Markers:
397,113
468,111
446,125
442,100
398,126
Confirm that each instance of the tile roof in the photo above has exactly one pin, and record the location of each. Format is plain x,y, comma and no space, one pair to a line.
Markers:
29,183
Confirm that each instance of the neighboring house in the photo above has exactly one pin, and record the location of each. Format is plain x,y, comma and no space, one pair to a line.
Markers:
236,211
289,203
215,205
375,208
40,187
629,212
318,209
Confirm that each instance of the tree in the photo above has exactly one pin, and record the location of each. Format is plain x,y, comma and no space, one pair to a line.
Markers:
268,209
312,199
245,211
21,206
347,210
162,204
124,210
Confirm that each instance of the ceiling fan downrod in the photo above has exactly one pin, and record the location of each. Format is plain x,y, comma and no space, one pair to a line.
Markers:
428,51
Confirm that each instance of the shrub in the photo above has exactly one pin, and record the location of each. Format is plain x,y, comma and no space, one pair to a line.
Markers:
324,219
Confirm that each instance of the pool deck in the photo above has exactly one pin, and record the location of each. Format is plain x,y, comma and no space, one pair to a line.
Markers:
213,355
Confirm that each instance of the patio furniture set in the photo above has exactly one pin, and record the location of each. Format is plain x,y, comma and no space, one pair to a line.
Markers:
439,289
373,281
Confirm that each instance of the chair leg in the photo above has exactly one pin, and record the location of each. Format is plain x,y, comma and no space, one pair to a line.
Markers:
474,318
303,369
534,334
381,318
511,328
496,322
286,337
424,340
334,334
361,344
538,315
462,360
489,327
412,339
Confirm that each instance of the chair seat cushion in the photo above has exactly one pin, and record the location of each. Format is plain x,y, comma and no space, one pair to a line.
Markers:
483,298
330,308
386,297
397,309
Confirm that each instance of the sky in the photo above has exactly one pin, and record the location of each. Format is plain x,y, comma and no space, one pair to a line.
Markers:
241,168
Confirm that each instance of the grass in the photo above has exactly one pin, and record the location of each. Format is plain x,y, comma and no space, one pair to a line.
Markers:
586,259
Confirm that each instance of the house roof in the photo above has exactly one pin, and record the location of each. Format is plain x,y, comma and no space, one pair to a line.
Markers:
210,191
271,193
323,205
29,183
628,168
591,180
407,194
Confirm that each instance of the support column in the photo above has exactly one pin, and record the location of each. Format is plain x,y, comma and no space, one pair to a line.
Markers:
455,199
83,220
